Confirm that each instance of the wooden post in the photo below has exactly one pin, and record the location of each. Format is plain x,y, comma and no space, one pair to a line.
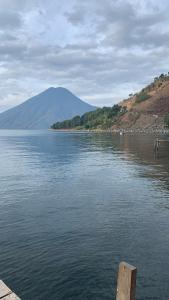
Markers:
126,283
156,145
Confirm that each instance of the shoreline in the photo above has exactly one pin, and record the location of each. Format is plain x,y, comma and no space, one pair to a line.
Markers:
121,131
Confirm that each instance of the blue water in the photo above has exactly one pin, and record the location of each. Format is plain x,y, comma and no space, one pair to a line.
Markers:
73,205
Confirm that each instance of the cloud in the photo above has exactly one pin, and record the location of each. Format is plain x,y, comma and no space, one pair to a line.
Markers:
101,51
10,20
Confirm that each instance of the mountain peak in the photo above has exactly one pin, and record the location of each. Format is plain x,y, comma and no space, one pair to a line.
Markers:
49,89
42,110
58,89
62,90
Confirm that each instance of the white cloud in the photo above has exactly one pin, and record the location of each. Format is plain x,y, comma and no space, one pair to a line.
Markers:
101,51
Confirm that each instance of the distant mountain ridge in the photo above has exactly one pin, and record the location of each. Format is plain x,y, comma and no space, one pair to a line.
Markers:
42,110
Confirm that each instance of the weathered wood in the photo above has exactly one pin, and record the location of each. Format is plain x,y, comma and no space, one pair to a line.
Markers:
6,293
126,283
12,296
4,290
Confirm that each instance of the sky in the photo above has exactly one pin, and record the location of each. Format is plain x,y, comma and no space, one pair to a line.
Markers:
101,50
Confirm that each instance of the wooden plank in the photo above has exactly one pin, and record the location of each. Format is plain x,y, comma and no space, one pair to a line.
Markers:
12,296
126,283
4,290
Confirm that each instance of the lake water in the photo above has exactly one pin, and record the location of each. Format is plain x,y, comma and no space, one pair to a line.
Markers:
73,205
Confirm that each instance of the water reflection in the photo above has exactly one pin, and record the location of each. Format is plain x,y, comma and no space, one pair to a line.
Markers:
72,205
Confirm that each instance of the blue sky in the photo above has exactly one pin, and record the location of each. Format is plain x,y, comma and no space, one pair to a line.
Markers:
100,50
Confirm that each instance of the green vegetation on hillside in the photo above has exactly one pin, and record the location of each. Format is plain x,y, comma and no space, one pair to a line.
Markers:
158,81
108,117
102,118
142,96
166,120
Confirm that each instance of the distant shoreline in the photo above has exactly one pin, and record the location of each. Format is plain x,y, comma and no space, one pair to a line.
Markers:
117,131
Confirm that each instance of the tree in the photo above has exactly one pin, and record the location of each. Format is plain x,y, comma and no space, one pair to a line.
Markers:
162,76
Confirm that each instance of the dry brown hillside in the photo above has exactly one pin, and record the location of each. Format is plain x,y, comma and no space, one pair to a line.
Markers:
148,108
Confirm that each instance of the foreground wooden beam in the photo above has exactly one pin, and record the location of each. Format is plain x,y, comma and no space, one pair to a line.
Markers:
6,293
126,283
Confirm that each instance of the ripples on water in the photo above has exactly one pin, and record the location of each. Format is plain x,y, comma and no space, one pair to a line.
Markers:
73,205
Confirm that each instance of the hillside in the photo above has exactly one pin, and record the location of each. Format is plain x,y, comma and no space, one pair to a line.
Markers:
40,111
102,118
148,109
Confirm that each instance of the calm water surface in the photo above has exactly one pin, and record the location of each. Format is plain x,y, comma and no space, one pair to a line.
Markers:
73,205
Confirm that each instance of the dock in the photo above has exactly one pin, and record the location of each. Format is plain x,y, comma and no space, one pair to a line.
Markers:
6,293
